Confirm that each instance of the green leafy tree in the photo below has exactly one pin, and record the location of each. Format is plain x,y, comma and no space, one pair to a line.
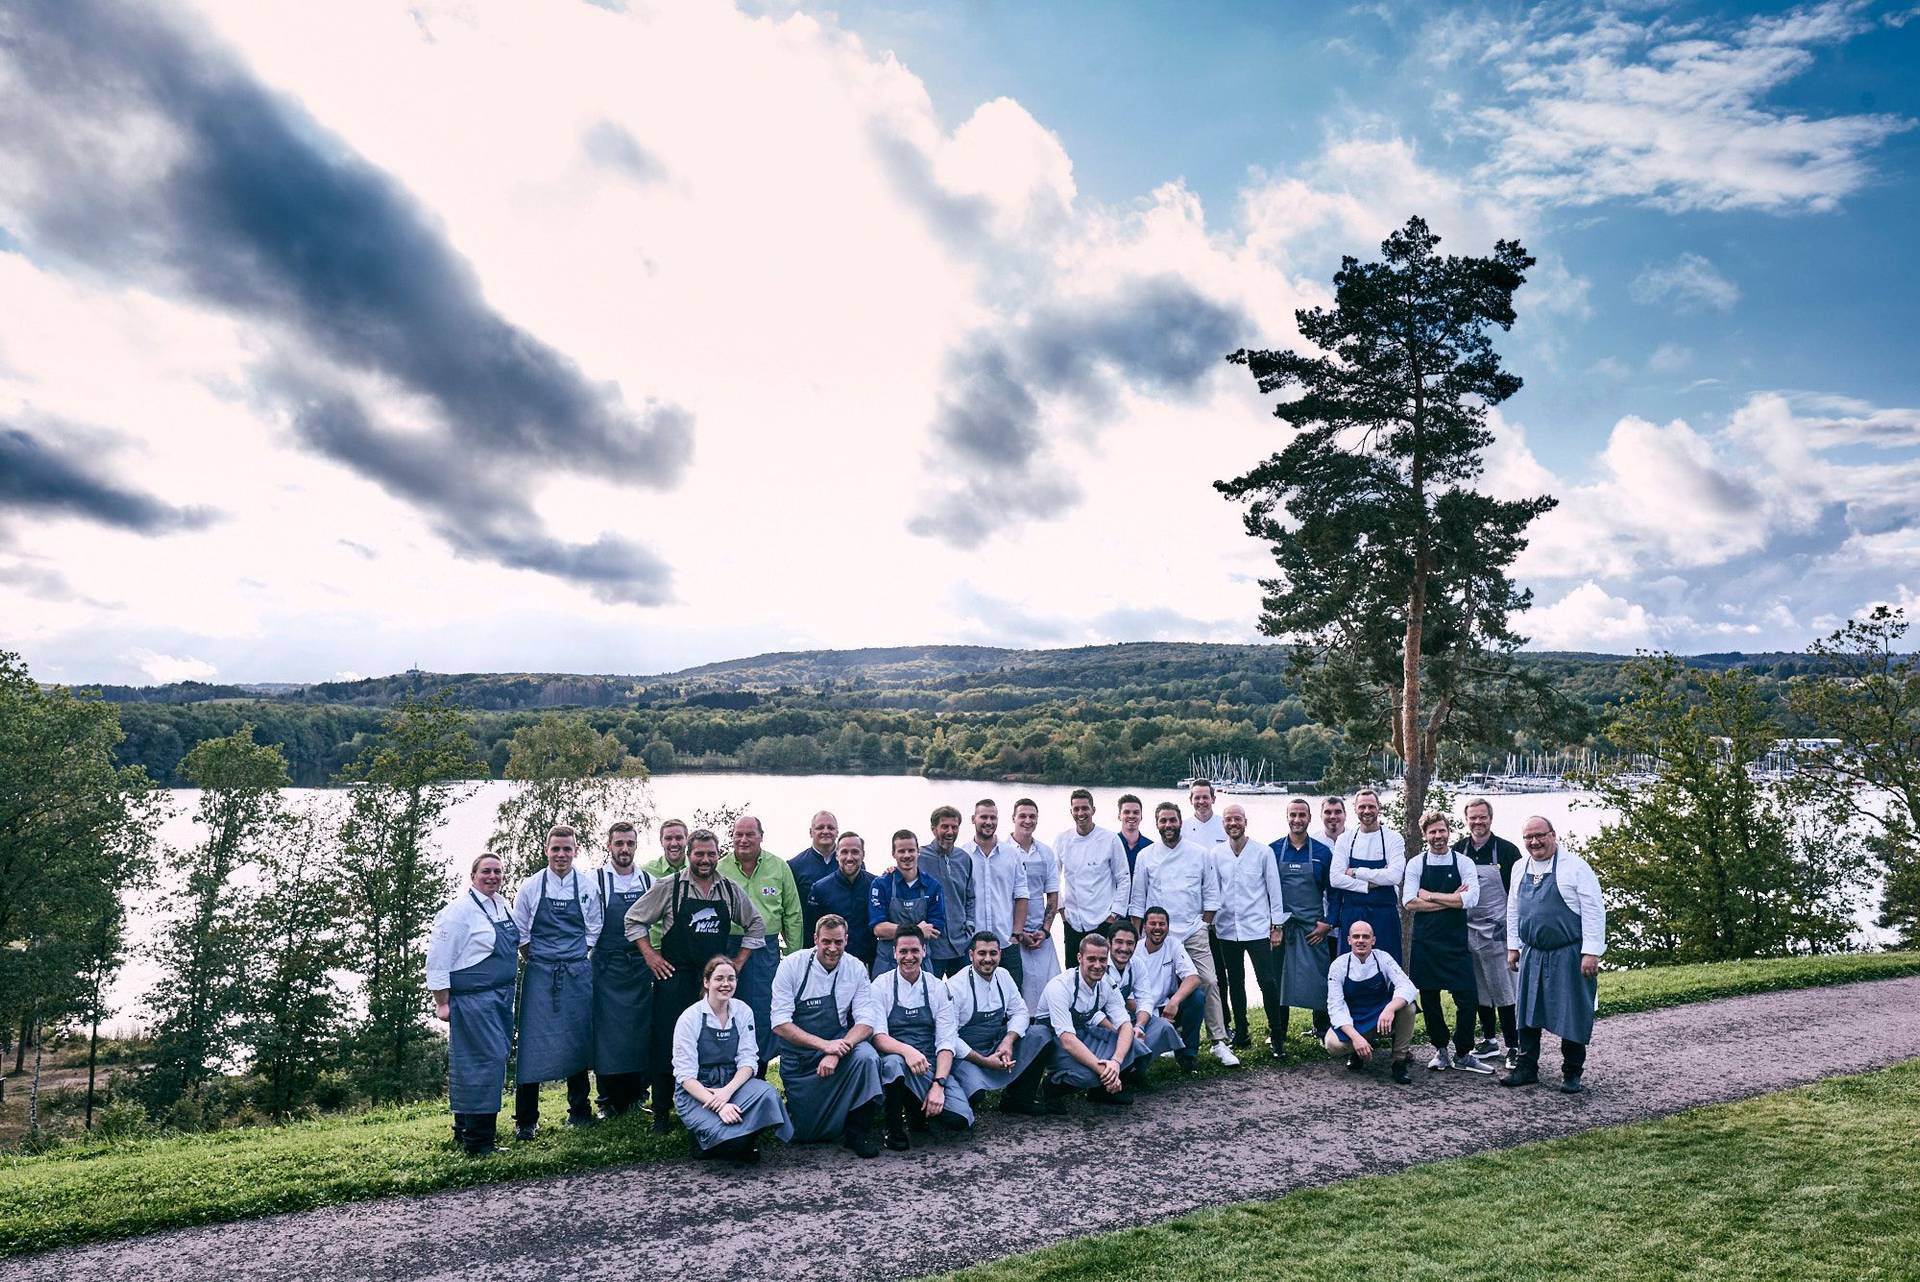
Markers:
75,832
404,782
1392,568
1869,702
294,1015
205,953
565,772
1702,861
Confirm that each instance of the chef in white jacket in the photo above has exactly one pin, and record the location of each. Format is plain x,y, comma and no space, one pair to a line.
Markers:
1249,926
1556,932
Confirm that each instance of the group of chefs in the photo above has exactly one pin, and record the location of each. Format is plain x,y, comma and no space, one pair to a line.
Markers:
909,995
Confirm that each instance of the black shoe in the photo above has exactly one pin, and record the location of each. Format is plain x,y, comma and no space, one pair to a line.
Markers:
897,1139
1242,1042
1056,1099
662,1123
1400,1073
525,1131
861,1143
1571,1085
1187,1063
1521,1076
1111,1099
1355,1064
1022,1107
752,1156
581,1121
917,1121
477,1148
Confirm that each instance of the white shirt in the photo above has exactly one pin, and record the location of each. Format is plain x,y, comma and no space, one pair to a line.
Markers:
1251,899
1345,967
1060,1001
1370,844
1093,876
1182,880
1001,994
1043,879
999,878
1204,832
893,991
637,879
686,1037
1417,867
575,885
1578,886
855,999
462,936
1154,976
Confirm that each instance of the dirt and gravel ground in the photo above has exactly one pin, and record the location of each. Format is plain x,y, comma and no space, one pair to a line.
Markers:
1016,1184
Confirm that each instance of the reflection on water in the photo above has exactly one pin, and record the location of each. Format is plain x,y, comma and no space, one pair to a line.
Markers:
872,805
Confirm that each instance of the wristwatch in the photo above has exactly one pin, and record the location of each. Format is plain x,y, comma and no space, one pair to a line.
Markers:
940,1082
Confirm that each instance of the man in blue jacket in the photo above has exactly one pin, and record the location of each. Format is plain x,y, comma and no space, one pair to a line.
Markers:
1306,951
904,896
846,892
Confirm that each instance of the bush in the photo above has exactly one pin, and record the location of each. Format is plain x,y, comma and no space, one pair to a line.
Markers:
121,1120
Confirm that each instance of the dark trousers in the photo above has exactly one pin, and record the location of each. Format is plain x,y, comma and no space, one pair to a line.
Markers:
670,998
476,1132
1573,1055
1509,1030
619,1092
1436,1018
1277,1019
526,1100
949,966
1229,956
1013,964
1075,936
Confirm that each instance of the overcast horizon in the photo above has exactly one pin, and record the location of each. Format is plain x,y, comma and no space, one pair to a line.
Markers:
621,338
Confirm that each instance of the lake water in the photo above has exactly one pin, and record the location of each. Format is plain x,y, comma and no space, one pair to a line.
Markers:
872,805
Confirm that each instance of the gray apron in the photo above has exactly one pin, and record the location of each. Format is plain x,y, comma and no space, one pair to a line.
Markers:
819,1105
1553,994
901,912
1099,1039
984,1031
622,986
556,991
915,1026
759,1104
1303,965
480,1021
1159,1037
1487,934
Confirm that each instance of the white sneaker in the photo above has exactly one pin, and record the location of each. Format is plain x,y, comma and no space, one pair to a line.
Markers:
1442,1061
1224,1053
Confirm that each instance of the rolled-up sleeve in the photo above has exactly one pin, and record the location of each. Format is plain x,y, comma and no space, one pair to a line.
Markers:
648,909
686,1042
946,1027
753,927
1018,1018
866,1007
786,985
444,945
747,1047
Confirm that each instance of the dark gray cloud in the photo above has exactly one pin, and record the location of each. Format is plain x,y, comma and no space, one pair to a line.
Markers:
478,512
610,144
1159,336
44,583
243,201
964,222
42,478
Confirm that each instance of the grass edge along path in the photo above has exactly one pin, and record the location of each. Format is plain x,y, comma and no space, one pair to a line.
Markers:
98,1192
1803,1185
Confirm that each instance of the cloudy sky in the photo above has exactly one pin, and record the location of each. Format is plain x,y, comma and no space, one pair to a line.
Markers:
616,337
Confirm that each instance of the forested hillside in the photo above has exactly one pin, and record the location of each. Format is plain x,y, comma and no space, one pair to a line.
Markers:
1097,714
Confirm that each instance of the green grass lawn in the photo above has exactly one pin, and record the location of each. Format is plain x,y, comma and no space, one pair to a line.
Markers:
98,1191
1816,1183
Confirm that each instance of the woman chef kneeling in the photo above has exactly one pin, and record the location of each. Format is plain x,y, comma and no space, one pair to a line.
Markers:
725,1107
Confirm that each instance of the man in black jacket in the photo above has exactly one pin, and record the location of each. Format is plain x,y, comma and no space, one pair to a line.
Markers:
1493,858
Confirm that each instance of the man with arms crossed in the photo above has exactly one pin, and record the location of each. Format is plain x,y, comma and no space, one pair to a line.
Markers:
1368,863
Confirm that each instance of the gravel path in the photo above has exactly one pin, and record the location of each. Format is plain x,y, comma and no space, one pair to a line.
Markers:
1240,1136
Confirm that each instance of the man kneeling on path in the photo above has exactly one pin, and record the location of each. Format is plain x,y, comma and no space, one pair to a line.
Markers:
916,1036
1366,993
1002,1048
1158,981
1094,1038
824,1014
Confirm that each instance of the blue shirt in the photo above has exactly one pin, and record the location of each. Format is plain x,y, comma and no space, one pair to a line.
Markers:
808,867
881,893
833,893
1133,850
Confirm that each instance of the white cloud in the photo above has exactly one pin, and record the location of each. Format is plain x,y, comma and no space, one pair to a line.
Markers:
1601,106
166,668
1689,283
1669,357
1590,618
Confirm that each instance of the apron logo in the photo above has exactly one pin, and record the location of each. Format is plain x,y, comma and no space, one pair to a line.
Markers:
705,921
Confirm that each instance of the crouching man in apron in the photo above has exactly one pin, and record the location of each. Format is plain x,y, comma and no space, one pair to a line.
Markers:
622,983
1093,1037
916,1036
1556,931
1002,1048
472,958
558,917
824,1015
1439,890
1368,993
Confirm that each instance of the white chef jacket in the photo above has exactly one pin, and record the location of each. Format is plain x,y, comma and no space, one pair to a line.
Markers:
1251,899
1345,966
1182,879
856,1000
999,994
1067,991
462,935
1154,976
1043,879
1370,844
891,990
1578,886
575,885
686,1037
1417,867
1093,876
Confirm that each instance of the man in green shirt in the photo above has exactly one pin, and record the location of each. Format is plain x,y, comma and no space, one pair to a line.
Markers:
770,889
673,849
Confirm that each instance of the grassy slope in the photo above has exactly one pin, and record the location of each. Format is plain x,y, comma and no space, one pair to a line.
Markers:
1805,1185
107,1191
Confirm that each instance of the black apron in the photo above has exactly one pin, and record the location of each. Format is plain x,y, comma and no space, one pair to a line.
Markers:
1441,956
622,984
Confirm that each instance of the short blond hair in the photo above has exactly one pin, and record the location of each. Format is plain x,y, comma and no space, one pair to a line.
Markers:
1433,817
